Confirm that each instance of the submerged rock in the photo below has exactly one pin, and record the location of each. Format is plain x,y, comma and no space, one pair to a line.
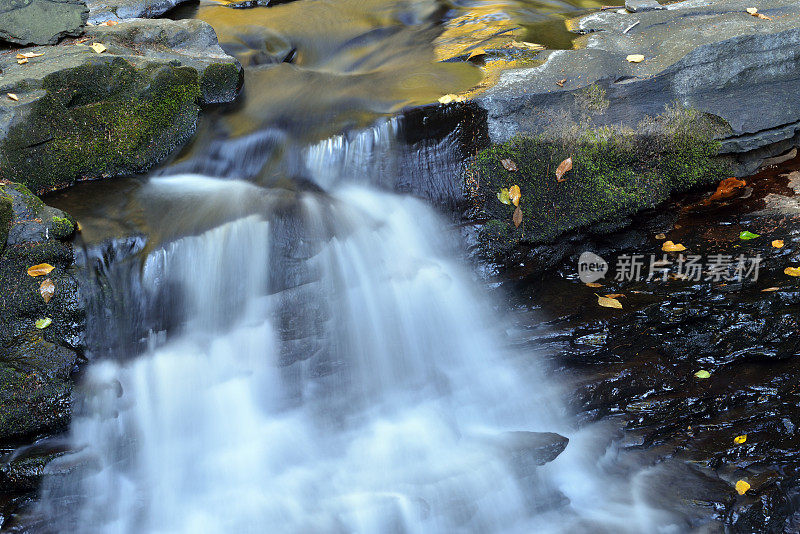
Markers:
40,22
81,114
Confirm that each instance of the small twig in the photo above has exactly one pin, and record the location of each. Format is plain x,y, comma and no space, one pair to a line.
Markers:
632,26
606,8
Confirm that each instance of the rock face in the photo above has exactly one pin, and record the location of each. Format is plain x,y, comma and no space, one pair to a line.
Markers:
104,10
39,22
36,363
82,114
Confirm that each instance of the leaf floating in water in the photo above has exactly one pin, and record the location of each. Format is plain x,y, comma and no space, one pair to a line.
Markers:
702,373
669,246
13,97
740,439
503,197
563,168
726,188
509,165
43,323
770,289
742,487
635,58
608,302
514,194
748,235
517,217
593,284
778,243
792,271
40,270
98,47
47,289
447,99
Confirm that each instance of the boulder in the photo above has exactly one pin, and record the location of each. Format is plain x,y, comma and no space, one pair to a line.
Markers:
84,114
638,6
105,10
40,22
36,362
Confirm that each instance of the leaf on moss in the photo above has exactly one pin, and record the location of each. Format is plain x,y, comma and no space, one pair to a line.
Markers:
703,374
509,165
47,289
43,323
29,55
514,194
503,196
517,217
748,235
40,270
563,168
22,61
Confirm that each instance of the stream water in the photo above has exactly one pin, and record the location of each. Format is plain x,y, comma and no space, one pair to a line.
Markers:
281,343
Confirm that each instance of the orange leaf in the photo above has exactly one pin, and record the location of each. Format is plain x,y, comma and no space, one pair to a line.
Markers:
517,217
726,188
593,284
509,165
40,270
47,289
563,168
514,194
615,296
669,246
778,243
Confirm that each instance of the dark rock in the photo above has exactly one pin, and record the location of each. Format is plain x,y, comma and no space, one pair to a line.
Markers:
40,22
84,115
116,10
528,450
23,469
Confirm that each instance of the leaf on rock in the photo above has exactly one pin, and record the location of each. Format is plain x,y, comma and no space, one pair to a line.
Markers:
740,439
615,296
509,165
608,302
47,289
563,168
742,487
561,83
669,246
514,194
517,217
763,17
778,243
22,61
748,235
702,373
661,237
98,47
13,97
635,58
593,284
40,270
792,271
503,197
752,10
110,23
43,323
770,289
28,55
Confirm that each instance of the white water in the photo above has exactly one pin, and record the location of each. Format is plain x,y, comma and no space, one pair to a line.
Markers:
393,427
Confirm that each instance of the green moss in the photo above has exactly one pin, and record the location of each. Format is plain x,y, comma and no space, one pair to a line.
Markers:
101,119
219,82
62,227
6,214
592,99
615,173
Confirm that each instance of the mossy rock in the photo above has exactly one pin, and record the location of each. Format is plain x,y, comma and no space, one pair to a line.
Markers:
5,219
615,173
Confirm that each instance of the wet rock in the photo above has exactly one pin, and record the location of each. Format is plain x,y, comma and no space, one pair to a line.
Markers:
23,469
105,10
39,22
639,6
528,450
83,114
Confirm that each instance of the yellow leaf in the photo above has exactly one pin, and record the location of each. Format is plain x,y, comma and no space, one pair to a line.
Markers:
514,194
740,439
669,246
607,302
13,97
477,53
702,373
98,47
40,270
742,487
769,289
563,168
22,61
778,243
517,217
526,44
28,55
635,58
47,289
78,226
593,284
509,165
502,196
792,271
661,237
752,10
43,323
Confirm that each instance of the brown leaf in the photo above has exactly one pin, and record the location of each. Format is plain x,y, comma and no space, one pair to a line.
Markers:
517,217
615,296
593,284
726,189
770,289
40,270
47,289
514,194
561,83
661,237
763,17
563,168
509,165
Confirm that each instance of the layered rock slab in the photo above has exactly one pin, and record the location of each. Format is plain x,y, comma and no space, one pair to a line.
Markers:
40,22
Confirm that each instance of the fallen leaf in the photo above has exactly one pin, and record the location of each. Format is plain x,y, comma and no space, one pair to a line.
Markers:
110,23
81,40
78,226
608,302
13,97
98,47
742,487
22,61
40,270
514,194
517,217
561,83
503,197
661,237
526,44
792,271
669,246
43,323
740,439
726,188
770,289
509,165
778,243
702,373
748,235
763,17
615,296
635,58
28,55
563,168
593,284
477,53
752,10
47,289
